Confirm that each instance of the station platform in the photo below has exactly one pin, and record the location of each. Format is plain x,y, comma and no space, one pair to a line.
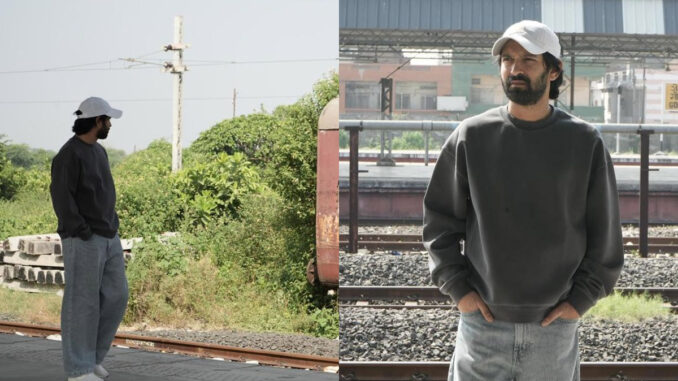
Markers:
24,358
396,193
417,175
409,156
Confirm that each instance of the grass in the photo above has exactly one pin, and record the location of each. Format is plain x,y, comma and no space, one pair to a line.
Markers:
247,310
631,308
28,307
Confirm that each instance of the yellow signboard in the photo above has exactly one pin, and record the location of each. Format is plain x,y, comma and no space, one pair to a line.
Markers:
671,99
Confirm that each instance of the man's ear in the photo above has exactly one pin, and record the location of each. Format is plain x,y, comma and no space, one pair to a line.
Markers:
556,72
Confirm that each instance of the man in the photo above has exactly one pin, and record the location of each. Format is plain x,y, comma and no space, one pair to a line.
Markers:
83,196
531,191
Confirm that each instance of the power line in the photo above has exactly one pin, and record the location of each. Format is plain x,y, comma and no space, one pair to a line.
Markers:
196,99
80,67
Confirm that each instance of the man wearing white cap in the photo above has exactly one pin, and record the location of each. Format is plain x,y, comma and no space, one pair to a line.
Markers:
531,191
83,196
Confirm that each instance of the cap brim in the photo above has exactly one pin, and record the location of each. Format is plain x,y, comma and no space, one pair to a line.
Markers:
114,113
530,47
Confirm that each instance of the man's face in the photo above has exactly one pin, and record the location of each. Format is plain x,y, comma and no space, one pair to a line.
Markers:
524,76
104,125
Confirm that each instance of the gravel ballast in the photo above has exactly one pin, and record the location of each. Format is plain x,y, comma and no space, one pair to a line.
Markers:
429,335
279,342
412,270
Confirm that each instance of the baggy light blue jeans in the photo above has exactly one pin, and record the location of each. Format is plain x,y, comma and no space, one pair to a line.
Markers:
94,302
515,351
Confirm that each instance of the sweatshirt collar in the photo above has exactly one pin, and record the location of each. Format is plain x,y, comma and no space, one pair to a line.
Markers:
525,125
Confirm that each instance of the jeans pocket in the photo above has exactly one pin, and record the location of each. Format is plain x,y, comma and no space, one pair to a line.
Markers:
565,321
471,313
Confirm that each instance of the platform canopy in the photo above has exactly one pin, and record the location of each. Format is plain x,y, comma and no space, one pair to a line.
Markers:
596,31
376,45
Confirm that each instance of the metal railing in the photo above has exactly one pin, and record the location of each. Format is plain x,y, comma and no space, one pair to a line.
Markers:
354,126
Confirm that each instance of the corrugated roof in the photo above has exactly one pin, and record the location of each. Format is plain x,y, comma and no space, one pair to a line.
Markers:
671,16
563,15
603,16
477,15
643,16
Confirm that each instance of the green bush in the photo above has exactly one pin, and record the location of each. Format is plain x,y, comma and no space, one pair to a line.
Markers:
146,203
11,177
250,135
409,140
21,155
30,212
292,172
211,190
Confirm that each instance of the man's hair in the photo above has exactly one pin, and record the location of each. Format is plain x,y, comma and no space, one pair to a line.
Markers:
84,125
551,63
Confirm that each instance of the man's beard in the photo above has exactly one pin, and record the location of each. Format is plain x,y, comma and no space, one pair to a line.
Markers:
103,133
528,95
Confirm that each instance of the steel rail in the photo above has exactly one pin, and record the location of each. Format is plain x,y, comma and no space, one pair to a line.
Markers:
437,371
283,359
433,293
407,242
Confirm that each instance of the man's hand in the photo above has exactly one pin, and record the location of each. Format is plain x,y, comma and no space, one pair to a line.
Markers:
564,310
471,302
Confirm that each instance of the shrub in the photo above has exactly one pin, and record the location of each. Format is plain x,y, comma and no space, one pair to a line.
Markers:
146,203
211,189
11,178
250,135
30,212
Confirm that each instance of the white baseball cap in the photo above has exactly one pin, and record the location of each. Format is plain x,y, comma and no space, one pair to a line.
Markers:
94,106
534,36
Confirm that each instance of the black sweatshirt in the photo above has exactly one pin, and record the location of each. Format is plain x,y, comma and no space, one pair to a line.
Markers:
83,192
537,206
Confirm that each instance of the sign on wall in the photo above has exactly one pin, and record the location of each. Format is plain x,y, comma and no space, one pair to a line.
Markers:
671,98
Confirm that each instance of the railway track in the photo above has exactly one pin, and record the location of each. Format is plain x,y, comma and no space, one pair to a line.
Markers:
283,359
412,295
437,371
412,242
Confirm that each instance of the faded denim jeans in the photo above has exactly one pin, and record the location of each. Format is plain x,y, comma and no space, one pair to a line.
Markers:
515,352
94,300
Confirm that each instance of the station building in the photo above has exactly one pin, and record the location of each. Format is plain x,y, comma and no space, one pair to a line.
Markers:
437,52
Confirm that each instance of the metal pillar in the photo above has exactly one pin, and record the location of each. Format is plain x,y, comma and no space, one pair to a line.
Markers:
572,76
386,113
353,189
644,189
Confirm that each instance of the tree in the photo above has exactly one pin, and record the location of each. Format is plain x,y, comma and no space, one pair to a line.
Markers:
11,178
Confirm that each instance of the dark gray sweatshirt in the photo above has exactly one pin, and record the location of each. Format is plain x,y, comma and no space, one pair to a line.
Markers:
537,207
83,192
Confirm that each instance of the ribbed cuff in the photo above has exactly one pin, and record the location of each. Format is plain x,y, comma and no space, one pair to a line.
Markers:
580,301
456,290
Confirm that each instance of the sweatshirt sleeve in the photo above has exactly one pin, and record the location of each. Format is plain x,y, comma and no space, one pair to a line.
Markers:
65,177
599,270
445,204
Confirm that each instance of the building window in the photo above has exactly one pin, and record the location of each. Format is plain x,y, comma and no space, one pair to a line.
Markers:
402,101
416,95
484,90
363,95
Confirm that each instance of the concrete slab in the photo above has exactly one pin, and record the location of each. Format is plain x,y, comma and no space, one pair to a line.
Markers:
21,258
33,359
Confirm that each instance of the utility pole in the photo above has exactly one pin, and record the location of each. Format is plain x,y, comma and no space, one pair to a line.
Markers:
234,95
177,68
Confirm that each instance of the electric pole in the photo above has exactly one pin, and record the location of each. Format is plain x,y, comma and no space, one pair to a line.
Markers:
177,68
234,95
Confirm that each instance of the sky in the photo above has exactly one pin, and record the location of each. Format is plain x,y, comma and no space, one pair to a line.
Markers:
57,53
